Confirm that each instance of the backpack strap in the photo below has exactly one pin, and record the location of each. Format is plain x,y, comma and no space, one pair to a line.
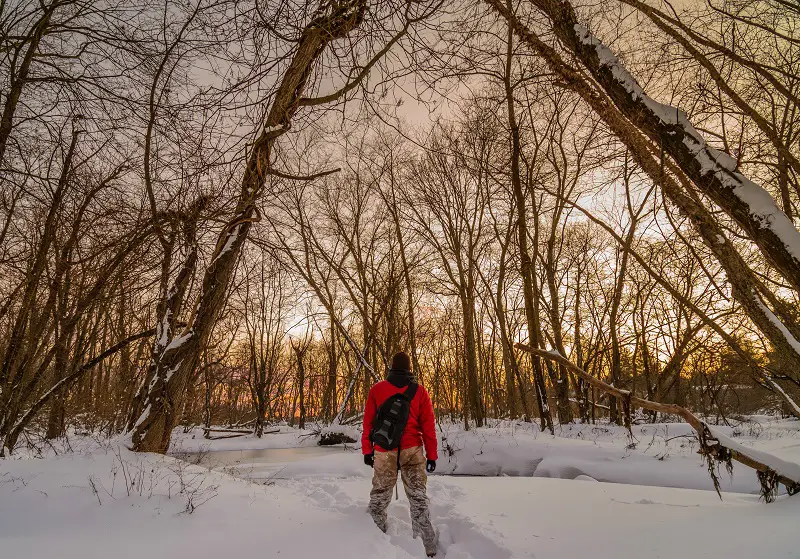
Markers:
398,468
409,394
411,391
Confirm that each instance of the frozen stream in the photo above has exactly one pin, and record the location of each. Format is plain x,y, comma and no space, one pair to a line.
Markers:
220,459
662,455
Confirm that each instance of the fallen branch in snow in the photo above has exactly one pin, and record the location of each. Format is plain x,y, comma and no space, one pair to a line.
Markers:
232,433
335,434
334,437
714,446
242,423
231,436
225,430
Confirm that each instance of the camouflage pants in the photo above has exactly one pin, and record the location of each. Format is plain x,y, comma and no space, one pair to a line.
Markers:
412,472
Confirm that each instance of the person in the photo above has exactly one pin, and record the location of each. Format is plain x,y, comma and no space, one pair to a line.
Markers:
420,430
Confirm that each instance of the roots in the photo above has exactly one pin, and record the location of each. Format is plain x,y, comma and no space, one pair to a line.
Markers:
331,438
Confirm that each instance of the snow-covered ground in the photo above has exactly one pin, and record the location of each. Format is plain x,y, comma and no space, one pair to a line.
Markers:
299,501
663,455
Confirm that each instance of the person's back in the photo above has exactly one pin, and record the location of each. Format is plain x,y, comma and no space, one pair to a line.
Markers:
419,432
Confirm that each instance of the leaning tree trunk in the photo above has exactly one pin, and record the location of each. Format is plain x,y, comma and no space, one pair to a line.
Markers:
713,172
614,105
153,429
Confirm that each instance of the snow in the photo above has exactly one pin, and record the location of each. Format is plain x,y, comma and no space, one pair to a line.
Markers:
786,397
233,235
760,203
145,414
163,327
778,324
269,130
790,470
49,510
48,507
172,370
288,437
663,455
763,207
178,341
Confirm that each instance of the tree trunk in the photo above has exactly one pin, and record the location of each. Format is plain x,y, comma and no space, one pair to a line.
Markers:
153,430
301,381
526,265
474,402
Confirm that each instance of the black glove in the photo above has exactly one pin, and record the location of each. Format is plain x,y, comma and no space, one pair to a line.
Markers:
369,460
431,466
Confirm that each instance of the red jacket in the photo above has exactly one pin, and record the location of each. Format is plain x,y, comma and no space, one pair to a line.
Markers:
421,426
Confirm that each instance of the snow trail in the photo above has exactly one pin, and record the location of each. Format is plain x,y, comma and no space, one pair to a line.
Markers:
459,537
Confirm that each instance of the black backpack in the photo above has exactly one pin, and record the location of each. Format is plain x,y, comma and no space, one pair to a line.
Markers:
391,419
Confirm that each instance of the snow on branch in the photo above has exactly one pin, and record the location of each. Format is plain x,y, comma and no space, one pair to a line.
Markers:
714,446
790,339
775,467
708,167
783,395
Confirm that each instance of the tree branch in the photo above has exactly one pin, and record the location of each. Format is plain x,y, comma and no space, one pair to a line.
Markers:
282,175
712,443
69,379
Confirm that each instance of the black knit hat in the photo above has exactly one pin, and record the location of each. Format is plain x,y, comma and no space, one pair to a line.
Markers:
401,361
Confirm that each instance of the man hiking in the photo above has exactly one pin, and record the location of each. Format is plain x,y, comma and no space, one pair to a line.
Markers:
399,416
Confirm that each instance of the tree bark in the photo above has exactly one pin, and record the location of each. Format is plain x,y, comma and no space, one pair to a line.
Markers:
526,264
747,289
153,430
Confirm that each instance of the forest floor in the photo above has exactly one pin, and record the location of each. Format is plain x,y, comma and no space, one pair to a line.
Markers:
281,496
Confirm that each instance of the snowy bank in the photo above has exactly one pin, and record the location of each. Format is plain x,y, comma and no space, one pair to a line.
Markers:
663,455
79,506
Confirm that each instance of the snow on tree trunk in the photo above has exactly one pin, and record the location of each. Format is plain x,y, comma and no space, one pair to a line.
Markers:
712,171
616,107
179,359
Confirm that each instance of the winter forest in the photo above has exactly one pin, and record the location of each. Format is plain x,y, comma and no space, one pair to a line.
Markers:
219,219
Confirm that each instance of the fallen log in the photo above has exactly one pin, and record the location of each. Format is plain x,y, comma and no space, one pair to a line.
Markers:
714,446
227,430
232,436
